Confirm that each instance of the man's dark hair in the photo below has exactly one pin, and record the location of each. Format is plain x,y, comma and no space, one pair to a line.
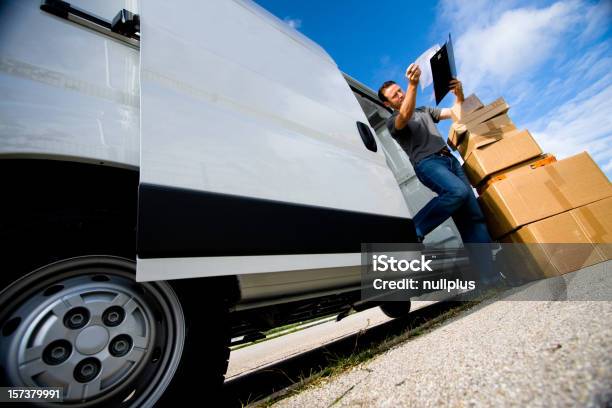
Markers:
382,88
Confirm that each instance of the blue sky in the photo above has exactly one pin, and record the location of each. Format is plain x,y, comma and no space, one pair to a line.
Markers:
550,60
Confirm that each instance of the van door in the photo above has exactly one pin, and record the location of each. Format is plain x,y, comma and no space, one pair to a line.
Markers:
252,159
415,194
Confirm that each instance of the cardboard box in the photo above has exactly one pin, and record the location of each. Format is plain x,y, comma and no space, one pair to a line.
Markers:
596,221
551,247
502,121
459,133
517,169
469,105
473,141
497,107
456,132
562,243
543,192
512,148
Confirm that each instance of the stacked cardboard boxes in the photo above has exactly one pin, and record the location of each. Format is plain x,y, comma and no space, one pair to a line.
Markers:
564,242
559,211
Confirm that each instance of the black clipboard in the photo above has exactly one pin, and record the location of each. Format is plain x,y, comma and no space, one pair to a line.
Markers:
443,69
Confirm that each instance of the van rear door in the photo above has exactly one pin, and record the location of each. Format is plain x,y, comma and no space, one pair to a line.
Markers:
251,155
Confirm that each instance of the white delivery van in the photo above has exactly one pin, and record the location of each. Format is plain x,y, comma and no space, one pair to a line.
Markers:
176,175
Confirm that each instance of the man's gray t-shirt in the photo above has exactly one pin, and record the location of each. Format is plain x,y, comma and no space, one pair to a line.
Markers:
420,137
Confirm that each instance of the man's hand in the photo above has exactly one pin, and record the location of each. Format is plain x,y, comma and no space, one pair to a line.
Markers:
406,109
456,88
413,73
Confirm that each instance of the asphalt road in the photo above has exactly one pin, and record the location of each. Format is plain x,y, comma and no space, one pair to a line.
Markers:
545,344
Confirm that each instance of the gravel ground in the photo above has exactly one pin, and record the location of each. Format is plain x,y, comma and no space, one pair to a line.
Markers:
499,353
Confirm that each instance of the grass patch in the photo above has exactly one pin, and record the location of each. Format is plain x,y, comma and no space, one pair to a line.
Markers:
340,363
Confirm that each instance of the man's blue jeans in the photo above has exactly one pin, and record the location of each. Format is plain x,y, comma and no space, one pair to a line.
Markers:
444,175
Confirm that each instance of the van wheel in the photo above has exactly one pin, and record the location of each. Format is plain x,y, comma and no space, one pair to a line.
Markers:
396,309
85,325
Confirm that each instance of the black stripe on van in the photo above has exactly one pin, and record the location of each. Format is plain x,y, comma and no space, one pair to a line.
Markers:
175,222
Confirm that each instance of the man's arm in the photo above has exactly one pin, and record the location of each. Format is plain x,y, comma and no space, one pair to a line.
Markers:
408,104
457,89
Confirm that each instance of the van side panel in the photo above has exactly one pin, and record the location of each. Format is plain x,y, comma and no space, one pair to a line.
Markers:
250,148
235,102
67,92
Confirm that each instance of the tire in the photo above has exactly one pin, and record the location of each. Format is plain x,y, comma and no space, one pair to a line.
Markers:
67,227
86,323
396,309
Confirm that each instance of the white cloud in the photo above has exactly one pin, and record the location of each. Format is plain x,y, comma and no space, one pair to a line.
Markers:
387,70
598,18
294,23
582,123
591,64
498,44
549,62
460,14
518,41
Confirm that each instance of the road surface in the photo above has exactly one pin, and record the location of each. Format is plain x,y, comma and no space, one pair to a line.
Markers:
552,348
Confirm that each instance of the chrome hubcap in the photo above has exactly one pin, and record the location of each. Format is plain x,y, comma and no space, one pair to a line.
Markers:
86,334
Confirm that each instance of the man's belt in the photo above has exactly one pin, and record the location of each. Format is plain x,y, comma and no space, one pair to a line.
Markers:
444,152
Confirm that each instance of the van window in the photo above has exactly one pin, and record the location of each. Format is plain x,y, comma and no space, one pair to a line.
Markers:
106,10
377,116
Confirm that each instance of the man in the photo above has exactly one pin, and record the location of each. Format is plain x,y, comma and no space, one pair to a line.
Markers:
415,131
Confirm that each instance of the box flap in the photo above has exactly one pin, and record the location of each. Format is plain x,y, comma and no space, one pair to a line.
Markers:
497,107
496,122
472,141
469,105
512,148
456,133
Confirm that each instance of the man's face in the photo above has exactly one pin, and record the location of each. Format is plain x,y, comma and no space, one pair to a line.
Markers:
394,95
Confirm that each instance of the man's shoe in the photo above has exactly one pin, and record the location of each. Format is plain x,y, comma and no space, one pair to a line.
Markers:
513,281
